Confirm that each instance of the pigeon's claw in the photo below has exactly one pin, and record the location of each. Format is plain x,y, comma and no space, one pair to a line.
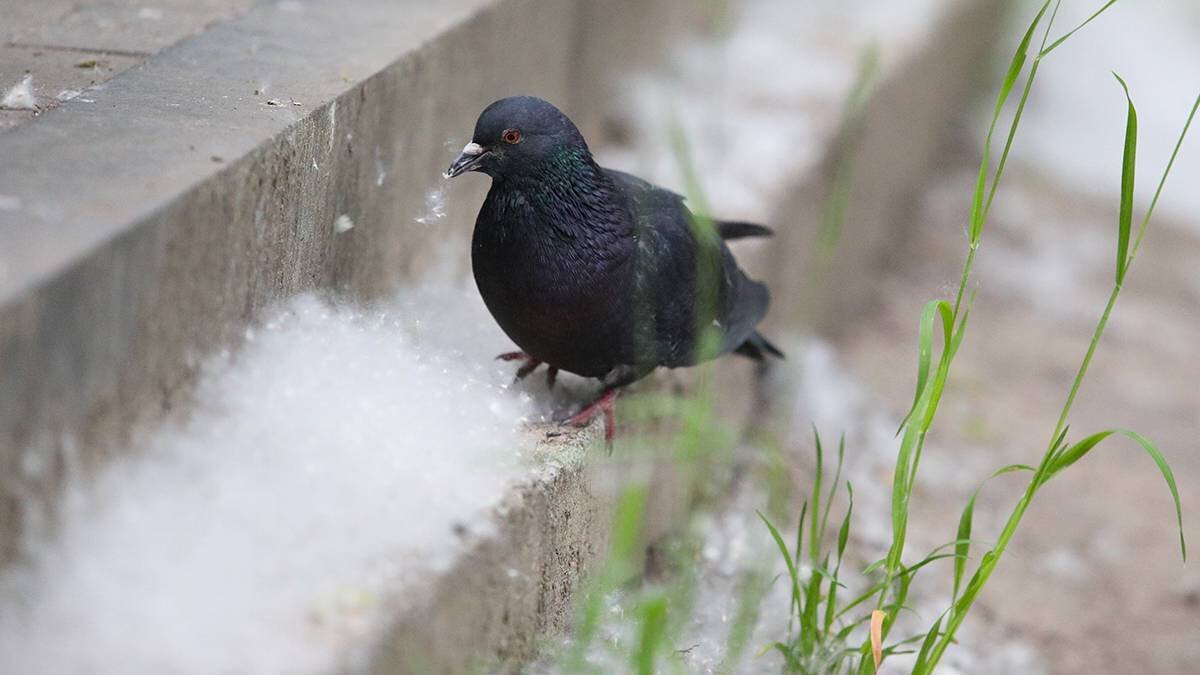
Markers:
606,404
526,368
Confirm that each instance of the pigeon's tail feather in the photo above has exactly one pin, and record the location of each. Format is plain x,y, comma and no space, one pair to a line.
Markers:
729,229
758,348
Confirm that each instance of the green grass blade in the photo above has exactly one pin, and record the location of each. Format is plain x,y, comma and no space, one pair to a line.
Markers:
793,575
812,600
814,538
961,331
961,551
1015,66
831,599
866,595
837,477
1076,452
874,566
929,406
924,356
653,634
1163,180
797,609
1012,130
793,664
1054,45
926,645
825,573
844,531
1128,162
1082,448
933,557
962,546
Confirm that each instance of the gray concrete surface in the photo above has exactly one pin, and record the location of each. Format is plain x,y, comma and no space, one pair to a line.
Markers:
494,609
57,75
144,230
69,47
114,26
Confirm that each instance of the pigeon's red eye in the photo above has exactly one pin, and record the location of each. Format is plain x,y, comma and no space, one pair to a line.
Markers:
511,136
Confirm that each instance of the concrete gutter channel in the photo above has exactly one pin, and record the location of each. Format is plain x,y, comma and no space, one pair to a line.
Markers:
152,226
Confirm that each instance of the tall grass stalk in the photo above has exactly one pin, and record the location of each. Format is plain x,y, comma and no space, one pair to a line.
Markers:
930,387
919,419
1059,454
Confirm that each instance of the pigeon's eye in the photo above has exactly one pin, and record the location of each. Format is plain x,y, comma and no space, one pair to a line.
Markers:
511,136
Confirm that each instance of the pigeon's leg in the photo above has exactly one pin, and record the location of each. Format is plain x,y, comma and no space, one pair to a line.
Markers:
604,404
614,381
551,376
526,368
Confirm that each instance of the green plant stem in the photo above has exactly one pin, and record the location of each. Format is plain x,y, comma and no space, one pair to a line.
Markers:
925,421
1046,469
1087,361
984,572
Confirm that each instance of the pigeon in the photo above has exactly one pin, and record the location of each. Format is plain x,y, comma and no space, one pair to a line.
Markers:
595,271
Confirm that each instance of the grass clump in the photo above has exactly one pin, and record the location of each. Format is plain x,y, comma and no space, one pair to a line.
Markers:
819,647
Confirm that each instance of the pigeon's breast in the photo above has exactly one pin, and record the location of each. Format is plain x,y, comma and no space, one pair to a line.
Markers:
574,318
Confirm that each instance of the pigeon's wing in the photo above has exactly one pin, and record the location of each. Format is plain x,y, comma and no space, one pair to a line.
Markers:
688,277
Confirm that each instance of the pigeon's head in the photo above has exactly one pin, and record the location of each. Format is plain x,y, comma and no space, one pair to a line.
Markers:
517,136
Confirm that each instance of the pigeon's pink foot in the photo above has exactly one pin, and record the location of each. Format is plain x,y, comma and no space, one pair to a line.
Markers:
604,404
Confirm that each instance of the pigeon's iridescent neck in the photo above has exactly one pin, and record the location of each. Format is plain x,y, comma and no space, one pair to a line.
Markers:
567,197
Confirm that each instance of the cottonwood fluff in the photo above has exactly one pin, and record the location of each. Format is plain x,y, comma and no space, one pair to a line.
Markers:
435,207
325,467
20,96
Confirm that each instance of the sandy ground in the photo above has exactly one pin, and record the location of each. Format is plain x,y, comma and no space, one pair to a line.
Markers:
1093,580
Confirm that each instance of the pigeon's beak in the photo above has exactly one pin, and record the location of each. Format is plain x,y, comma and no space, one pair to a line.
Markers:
468,160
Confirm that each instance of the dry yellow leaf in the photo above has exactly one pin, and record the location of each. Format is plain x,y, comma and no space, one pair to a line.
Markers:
877,618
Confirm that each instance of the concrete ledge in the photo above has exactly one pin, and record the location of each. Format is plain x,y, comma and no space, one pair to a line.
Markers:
150,226
515,589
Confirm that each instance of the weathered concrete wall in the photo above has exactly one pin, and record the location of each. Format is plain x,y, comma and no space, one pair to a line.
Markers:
919,90
495,608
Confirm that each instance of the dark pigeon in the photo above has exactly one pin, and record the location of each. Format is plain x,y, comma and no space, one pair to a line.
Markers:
595,271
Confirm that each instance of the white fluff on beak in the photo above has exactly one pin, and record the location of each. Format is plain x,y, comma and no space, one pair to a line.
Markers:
471,154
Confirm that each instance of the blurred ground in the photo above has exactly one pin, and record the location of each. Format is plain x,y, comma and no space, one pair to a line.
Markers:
68,47
1093,579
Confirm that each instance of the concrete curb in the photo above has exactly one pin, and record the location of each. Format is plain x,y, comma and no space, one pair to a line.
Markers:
217,202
